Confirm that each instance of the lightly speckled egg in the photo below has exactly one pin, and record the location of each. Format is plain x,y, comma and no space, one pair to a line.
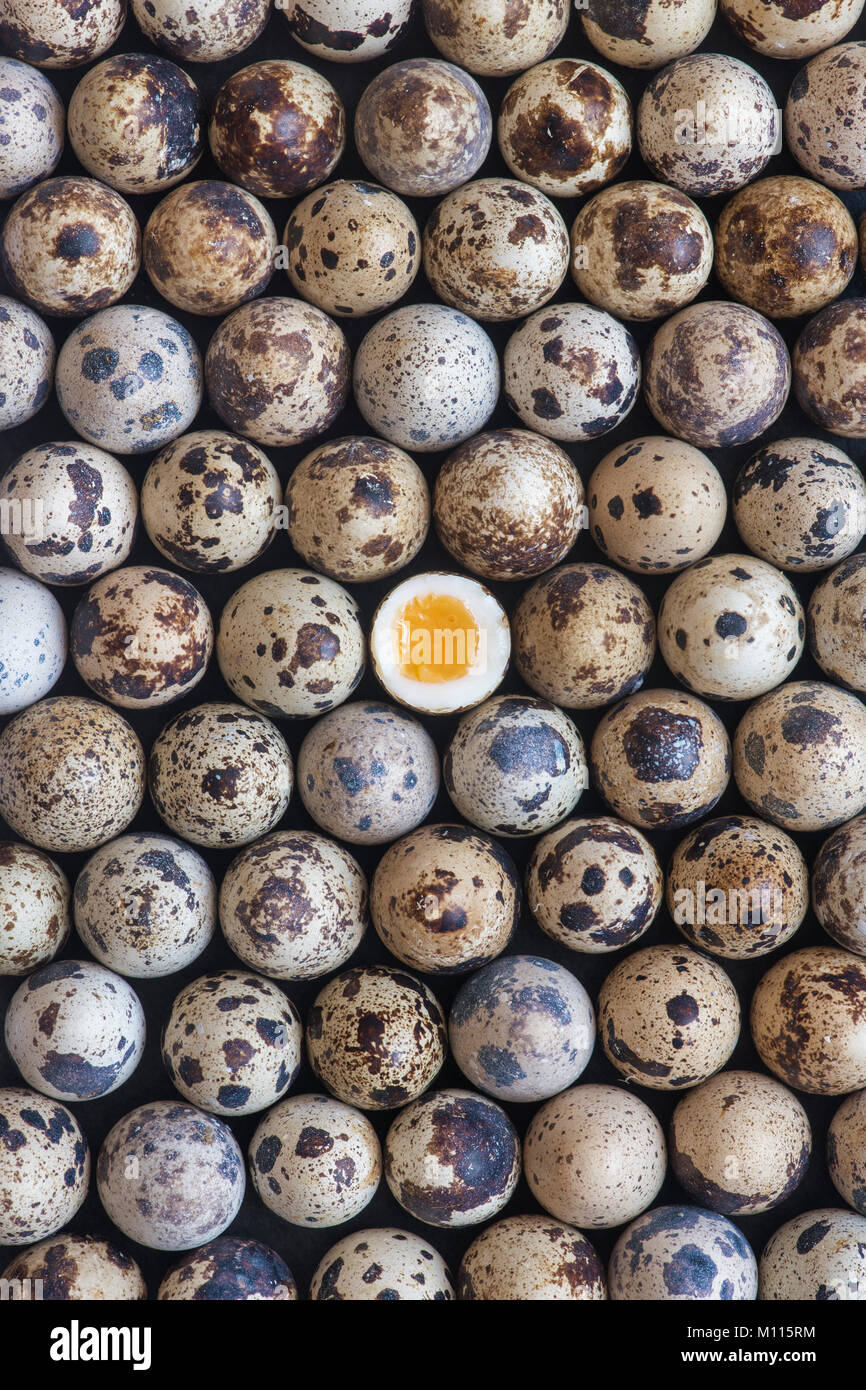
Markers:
495,38
70,1268
826,90
846,1150
71,774
315,1162
682,1253
32,641
44,1166
145,905
376,1037
522,1028
230,1269
839,885
53,34
27,357
445,899
809,1020
816,1257
189,1176
220,775
423,127
205,32
452,1158
34,908
232,1043
293,905
33,121
648,34
595,1155
382,1265
347,31
368,772
75,1030
830,367
668,1017
358,509
740,1143
782,30
835,621
800,756
594,885
530,1258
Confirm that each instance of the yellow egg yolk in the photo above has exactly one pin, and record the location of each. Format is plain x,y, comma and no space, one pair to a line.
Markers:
437,639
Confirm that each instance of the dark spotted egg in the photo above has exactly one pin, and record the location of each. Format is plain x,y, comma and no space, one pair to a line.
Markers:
57,34
809,1020
846,1150
382,1265
204,32
70,1268
230,1269
27,357
524,1258
785,30
682,1253
839,885
647,33
496,38
44,1166
830,149
830,367
347,31
33,122
34,908
818,1256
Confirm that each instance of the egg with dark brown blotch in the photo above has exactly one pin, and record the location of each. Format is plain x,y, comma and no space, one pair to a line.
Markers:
347,31
530,1258
34,908
819,130
495,38
682,1253
846,1150
205,32
816,1257
230,1269
34,125
382,1265
44,1171
55,34
839,885
27,357
835,620
800,504
830,367
782,30
649,33
809,1020
70,1268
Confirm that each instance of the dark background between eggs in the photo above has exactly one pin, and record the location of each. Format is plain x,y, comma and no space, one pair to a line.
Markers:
301,1248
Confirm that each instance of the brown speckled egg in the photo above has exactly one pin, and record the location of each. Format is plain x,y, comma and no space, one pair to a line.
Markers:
740,1143
347,31
232,1043
800,756
816,1257
294,905
56,34
278,128
315,1161
358,509
809,1020
565,127
71,774
846,1150
830,367
819,128
34,123
495,38
801,504
640,250
69,1268
44,1170
595,1155
220,775
423,127
668,1017
839,885
779,29
382,1265
530,1258
230,1269
34,908
278,371
27,357
376,1037
352,248
682,1253
571,372
835,621
648,33
717,374
495,249
204,32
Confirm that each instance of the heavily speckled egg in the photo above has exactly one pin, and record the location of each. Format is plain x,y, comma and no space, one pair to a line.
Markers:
595,1155
368,772
423,127
27,357
382,1265
522,1028
830,367
530,1258
232,1043
839,885
682,1253
187,1180
668,1017
70,1268
358,509
496,38
809,1020
44,1166
32,641
33,121
294,905
835,621
34,908
55,34
205,32
452,1158
347,31
819,129
565,127
376,1037
800,756
75,1030
136,121
817,1257
315,1162
779,29
230,1270
846,1150
649,33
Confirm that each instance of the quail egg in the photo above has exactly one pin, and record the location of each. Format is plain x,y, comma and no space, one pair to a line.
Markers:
44,1166
781,30
846,1150
70,1268
648,34
27,357
230,1269
677,1253
205,32
33,121
809,1020
839,886
495,38
830,367
530,1258
382,1265
818,1257
819,129
801,504
836,611
315,1162
53,34
34,908
347,31
32,641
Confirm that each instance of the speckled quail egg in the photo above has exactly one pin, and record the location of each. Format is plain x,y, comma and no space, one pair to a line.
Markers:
565,127
204,32
368,772
682,1253
571,372
209,500
445,899
647,34
278,128
220,775
668,1017
70,1268
452,1158
145,905
170,1176
495,249
33,121
835,621
54,34
595,1154
278,371
71,774
717,374
819,130
352,248
800,756
232,1043
423,127
737,887
230,1269
530,1258
209,247
801,504
496,38
136,121
839,886
75,1030
358,509
809,1020
347,31
376,1037
32,641
508,504
819,1256
740,1143
522,1028
382,1265
846,1150
44,1166
830,367
34,908
27,357
315,1162
782,30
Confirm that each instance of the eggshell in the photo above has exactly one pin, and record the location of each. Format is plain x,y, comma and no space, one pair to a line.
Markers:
495,38
204,33
781,30
846,1150
32,641
809,1020
831,149
830,367
44,1166
315,1162
34,908
230,1269
347,31
52,34
818,1256
382,1265
801,504
530,1258
649,33
27,357
34,123
839,886
835,621
70,1268
682,1253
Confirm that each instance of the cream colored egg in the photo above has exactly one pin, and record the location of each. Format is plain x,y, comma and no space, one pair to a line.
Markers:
830,365
836,623
34,123
780,30
27,357
817,1256
648,34
682,1253
315,1162
382,1264
530,1258
809,1020
846,1150
44,1172
347,31
204,33
53,35
839,885
34,908
70,1268
33,641
496,38
831,150
800,504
